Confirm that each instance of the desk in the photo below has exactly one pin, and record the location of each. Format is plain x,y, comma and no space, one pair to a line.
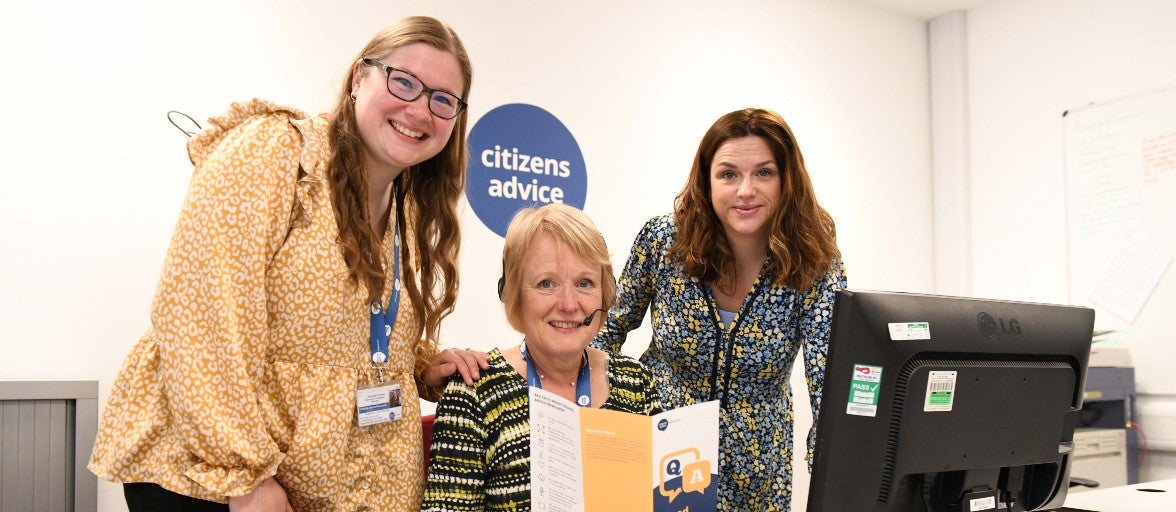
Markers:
1158,496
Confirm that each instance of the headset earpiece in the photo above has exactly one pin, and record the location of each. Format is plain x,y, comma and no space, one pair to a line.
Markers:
502,280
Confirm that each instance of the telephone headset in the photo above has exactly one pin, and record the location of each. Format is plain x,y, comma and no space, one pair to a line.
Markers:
502,283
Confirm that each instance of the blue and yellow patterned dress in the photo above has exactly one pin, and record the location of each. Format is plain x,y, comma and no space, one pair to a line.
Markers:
746,366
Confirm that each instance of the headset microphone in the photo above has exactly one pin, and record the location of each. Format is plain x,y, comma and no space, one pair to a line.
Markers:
592,316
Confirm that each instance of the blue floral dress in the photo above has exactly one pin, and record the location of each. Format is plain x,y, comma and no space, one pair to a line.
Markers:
745,365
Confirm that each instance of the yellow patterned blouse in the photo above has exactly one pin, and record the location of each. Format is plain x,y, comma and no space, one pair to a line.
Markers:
258,341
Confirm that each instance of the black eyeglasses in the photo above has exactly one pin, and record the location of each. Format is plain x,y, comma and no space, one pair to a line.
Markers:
407,87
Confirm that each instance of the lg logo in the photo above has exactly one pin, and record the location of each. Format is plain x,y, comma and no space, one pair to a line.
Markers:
991,327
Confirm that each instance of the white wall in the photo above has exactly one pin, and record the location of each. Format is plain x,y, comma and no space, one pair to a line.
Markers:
94,175
1028,62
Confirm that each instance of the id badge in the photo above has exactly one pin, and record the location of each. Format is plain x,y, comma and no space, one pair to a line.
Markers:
378,404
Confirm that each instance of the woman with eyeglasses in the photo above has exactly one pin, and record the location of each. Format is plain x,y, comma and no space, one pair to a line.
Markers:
739,281
296,321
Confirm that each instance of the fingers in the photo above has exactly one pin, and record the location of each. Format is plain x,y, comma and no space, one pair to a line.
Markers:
474,360
483,359
434,376
468,363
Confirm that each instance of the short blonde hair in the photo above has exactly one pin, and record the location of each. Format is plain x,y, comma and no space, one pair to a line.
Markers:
567,225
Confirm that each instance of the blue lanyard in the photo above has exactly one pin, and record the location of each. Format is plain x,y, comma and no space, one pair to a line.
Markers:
384,319
583,382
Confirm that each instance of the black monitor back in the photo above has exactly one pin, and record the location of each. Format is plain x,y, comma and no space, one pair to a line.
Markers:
940,403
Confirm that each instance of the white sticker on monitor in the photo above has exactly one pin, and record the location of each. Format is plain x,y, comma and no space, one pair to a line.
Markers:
863,390
900,331
985,503
940,391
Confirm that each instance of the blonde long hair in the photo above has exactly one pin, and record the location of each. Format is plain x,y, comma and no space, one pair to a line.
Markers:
429,191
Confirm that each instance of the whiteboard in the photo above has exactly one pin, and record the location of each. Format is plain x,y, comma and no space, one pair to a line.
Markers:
1120,159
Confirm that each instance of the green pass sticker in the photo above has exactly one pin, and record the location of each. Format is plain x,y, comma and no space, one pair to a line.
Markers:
864,389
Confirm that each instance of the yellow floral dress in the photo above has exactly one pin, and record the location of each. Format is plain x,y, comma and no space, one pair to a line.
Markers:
258,341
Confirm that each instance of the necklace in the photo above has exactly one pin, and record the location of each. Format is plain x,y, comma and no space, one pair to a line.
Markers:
583,363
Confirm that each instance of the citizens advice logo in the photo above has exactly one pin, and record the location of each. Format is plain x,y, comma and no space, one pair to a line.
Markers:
522,155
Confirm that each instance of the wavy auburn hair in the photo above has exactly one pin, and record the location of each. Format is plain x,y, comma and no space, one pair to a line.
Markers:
428,192
802,241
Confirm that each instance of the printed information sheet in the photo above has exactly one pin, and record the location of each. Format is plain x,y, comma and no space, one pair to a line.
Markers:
595,460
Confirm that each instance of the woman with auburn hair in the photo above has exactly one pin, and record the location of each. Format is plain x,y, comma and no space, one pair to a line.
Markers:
739,281
279,335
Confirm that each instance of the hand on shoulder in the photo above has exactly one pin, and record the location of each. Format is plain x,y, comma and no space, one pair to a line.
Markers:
468,363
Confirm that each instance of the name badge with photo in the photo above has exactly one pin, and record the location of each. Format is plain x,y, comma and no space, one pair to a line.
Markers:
378,404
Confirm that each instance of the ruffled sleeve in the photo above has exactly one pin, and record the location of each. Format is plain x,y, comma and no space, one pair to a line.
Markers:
210,310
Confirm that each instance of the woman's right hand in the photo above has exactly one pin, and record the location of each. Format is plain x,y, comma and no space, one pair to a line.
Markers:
267,497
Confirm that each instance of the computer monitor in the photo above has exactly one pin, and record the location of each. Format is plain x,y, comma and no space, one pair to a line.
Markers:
934,403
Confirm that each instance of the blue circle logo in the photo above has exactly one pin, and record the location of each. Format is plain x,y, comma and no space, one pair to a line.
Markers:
521,155
663,424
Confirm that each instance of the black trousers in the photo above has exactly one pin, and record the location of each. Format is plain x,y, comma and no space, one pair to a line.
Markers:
149,497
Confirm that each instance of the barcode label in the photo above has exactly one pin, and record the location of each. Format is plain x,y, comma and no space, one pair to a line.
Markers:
941,386
940,391
985,503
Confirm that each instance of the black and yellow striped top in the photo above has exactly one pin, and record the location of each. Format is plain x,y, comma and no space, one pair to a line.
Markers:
481,453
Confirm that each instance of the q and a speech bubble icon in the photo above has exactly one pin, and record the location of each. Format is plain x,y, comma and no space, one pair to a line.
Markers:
696,475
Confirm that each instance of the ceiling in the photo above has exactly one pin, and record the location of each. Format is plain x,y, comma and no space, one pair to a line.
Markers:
924,9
